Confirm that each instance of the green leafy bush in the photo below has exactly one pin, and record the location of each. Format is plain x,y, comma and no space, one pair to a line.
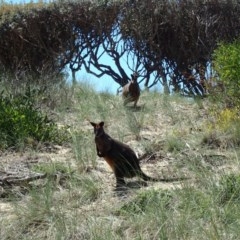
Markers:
22,123
226,60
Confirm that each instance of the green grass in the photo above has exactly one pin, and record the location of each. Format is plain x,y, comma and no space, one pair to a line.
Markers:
77,199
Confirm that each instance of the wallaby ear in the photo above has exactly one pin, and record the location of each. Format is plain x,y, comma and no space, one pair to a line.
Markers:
93,124
101,124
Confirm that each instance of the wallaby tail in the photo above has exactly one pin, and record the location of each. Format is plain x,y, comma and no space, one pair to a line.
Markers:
147,178
151,179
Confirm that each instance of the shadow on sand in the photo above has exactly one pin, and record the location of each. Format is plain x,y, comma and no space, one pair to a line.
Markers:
125,189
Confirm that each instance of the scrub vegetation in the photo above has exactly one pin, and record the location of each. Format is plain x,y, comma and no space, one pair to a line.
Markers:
52,183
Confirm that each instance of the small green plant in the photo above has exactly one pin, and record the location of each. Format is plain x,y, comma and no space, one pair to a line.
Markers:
226,118
229,188
135,122
212,139
21,123
228,121
225,130
174,144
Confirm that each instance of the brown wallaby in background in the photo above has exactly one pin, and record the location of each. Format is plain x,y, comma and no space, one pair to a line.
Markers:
121,158
131,91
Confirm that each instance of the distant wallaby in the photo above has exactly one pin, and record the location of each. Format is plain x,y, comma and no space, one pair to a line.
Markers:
119,156
131,91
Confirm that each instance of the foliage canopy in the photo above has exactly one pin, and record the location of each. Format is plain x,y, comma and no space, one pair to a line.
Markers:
172,41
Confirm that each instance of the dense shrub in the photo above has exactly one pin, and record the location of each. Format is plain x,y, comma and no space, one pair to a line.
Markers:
227,64
22,123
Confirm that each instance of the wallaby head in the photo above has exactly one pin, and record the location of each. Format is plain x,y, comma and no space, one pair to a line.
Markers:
134,77
98,128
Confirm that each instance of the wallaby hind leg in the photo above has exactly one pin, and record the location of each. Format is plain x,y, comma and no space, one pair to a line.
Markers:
126,101
119,179
135,104
120,183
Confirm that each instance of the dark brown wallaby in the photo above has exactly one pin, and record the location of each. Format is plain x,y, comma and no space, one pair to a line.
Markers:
131,91
119,156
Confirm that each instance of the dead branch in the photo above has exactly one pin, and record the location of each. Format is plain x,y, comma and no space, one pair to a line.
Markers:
17,180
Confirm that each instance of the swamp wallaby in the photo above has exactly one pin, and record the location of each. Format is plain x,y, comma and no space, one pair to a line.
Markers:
121,158
131,91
